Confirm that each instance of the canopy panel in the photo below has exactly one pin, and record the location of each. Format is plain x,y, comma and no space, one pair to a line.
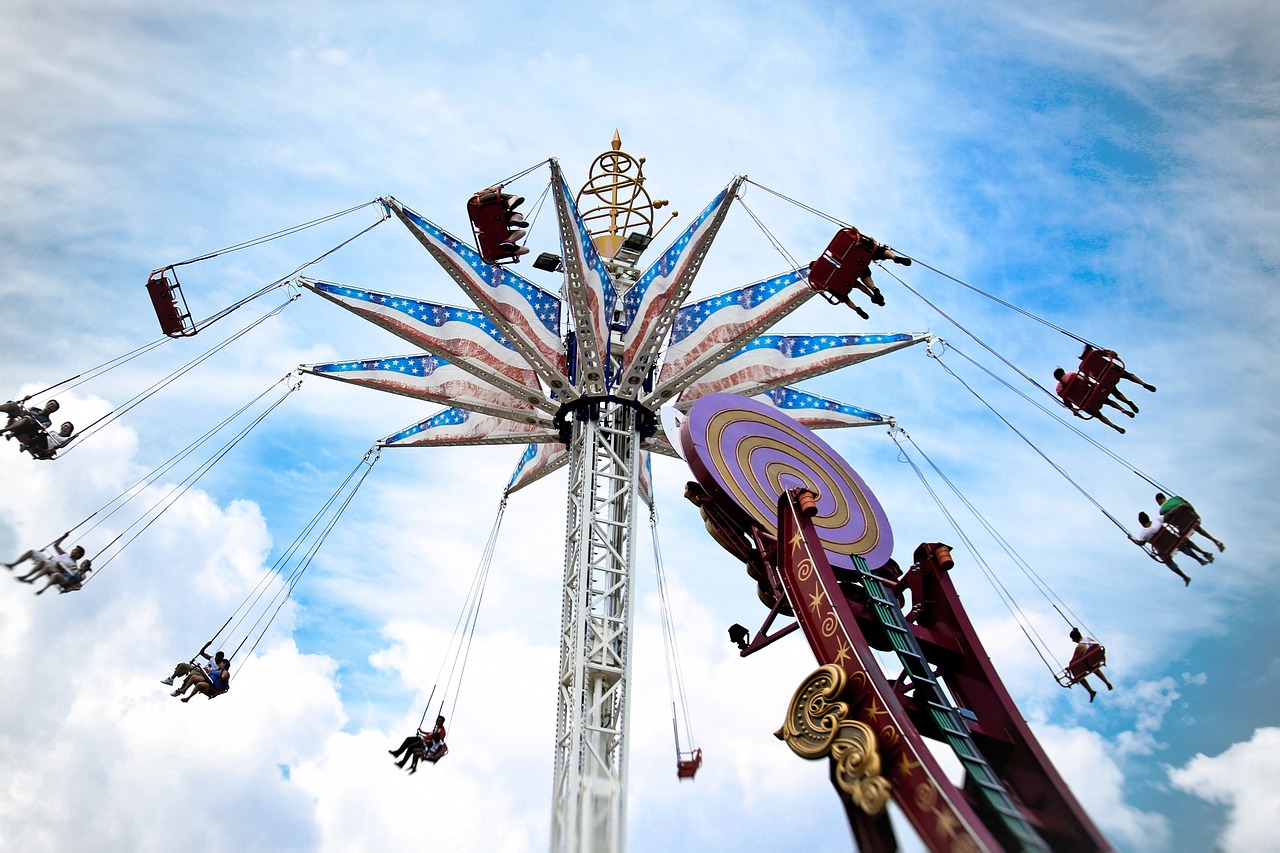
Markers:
537,461
430,378
463,336
457,427
709,331
649,306
771,361
817,412
528,316
588,287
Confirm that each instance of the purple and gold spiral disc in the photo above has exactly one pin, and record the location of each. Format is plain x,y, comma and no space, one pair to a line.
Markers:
750,453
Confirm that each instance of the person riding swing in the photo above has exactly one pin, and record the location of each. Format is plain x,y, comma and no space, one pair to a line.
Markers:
423,745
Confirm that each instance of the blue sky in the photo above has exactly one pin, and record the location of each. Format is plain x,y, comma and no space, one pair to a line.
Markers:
1111,169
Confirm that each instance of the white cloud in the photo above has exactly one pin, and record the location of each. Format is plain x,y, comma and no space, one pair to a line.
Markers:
1243,779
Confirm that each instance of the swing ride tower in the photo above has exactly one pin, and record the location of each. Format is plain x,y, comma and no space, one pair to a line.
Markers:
604,432
580,378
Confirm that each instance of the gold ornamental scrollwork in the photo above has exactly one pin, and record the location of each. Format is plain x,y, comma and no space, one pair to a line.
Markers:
819,725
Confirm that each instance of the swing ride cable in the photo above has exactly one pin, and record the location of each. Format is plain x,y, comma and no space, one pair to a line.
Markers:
121,500
298,572
537,209
285,280
800,205
672,649
450,653
146,393
962,328
1008,305
276,235
166,501
1064,421
996,584
482,574
1030,443
113,363
958,281
255,595
1054,600
104,367
518,175
777,244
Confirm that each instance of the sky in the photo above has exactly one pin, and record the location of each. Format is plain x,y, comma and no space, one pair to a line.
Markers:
1108,168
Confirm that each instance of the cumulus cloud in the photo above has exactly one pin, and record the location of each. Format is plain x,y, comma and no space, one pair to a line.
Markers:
1242,778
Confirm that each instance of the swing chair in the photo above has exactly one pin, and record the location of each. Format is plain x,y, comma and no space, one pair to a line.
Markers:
1088,389
1178,525
1087,664
170,304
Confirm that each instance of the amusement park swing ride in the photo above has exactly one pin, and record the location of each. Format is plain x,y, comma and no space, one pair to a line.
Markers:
621,364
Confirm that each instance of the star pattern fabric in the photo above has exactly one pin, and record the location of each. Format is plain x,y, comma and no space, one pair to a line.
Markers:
665,278
769,361
463,336
589,288
818,412
430,378
527,314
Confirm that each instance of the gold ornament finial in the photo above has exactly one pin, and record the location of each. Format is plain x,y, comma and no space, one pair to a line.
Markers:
621,205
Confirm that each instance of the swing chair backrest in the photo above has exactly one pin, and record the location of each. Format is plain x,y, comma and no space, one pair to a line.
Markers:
852,249
1183,518
1174,532
1088,663
166,294
435,753
1094,381
846,257
687,764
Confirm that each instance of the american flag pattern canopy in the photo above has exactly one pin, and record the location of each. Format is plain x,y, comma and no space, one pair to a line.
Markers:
502,367
770,361
711,330
537,461
463,336
588,286
666,281
527,315
817,412
430,378
459,426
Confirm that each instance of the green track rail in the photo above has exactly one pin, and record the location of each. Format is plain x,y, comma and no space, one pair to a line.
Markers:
944,715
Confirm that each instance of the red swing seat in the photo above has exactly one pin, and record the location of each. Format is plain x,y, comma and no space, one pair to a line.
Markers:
1087,664
1178,526
489,216
435,753
166,294
687,767
836,272
1093,382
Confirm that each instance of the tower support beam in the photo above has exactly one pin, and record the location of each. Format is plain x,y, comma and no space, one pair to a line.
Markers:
589,809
